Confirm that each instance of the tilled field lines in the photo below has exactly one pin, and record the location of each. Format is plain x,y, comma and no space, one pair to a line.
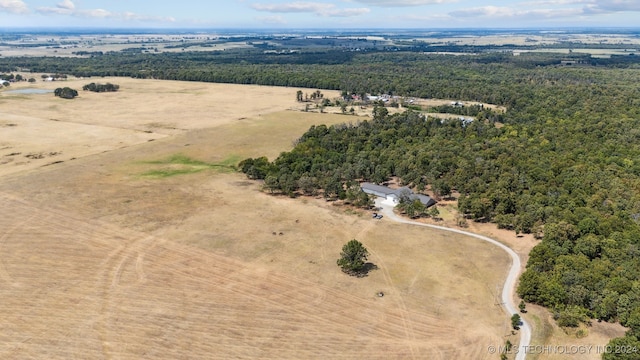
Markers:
75,288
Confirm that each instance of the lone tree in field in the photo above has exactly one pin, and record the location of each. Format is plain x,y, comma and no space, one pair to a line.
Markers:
353,257
65,93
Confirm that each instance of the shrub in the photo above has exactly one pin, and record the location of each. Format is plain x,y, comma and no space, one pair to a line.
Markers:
65,93
108,87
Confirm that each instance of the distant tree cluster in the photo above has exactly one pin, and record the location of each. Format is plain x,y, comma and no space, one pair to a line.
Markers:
108,87
11,77
65,93
516,82
54,76
316,95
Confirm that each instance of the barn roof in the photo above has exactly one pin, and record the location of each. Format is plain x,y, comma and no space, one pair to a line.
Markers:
379,189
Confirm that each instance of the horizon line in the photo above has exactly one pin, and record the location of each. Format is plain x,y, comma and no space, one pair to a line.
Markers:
264,29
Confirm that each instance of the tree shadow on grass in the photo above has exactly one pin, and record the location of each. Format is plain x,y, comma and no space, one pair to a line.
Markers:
364,272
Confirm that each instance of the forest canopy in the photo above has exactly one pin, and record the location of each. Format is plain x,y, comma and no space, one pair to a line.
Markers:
563,162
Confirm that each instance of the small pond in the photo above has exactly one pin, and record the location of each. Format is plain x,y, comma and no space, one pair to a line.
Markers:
28,91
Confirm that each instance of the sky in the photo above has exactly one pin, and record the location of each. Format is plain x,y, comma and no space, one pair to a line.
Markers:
319,14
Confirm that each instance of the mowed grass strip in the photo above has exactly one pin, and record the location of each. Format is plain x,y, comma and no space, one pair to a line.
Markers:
180,164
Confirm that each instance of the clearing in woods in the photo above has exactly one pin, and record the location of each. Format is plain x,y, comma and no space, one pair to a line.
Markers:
124,247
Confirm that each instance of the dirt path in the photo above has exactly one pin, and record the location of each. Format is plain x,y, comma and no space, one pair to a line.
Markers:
508,290
101,261
82,288
408,326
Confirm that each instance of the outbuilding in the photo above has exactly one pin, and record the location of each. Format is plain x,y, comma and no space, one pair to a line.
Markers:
393,195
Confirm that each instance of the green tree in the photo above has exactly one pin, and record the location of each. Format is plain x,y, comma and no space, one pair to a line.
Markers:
333,188
353,257
380,112
572,316
308,184
271,183
441,188
65,93
255,168
515,321
108,87
626,348
363,200
434,212
522,306
508,345
357,197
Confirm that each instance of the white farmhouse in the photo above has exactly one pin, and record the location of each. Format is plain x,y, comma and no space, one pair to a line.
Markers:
393,196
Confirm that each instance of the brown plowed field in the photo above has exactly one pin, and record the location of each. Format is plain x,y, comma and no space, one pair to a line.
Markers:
100,261
80,288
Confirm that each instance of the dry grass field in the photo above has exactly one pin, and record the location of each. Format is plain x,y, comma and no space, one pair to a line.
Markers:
69,45
36,130
119,247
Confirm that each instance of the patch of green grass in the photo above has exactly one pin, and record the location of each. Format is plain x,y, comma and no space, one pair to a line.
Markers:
182,165
231,161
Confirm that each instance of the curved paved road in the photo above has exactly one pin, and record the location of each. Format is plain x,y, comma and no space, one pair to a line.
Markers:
509,287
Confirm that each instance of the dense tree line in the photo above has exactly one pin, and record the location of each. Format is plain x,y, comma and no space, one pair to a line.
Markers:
460,109
565,166
491,78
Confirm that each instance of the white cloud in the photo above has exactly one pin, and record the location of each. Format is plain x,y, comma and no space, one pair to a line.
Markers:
426,18
14,6
348,12
67,4
506,12
590,6
393,3
272,20
67,7
550,9
617,5
309,7
292,7
553,3
95,13
528,12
